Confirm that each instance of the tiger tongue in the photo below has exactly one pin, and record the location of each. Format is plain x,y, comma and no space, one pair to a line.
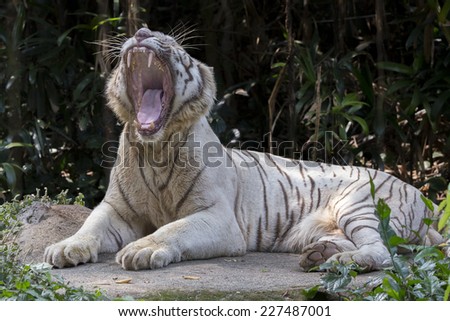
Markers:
151,107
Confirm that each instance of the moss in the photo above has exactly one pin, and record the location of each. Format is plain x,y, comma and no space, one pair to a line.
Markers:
205,295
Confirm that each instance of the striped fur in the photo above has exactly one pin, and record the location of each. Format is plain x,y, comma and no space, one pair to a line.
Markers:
178,194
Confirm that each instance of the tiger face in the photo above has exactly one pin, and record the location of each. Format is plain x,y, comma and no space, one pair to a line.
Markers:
158,85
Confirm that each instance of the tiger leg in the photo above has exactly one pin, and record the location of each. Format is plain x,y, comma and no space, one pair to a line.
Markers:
319,252
201,235
360,226
103,231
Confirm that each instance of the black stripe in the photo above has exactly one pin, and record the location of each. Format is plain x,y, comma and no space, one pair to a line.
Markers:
203,208
118,213
318,198
248,153
189,190
298,202
302,172
286,204
175,162
360,227
266,208
278,226
169,177
117,237
351,211
126,199
289,224
302,208
313,185
360,217
141,170
244,162
282,172
395,221
380,185
259,236
230,157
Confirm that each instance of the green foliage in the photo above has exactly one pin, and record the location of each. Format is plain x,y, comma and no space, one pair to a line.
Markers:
425,275
52,99
34,282
445,208
31,282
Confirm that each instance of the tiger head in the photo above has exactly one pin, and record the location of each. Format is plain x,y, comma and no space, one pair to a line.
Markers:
157,87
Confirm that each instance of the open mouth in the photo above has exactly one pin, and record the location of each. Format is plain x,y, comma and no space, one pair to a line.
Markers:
150,88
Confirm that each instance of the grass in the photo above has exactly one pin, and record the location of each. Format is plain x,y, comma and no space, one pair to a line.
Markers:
279,295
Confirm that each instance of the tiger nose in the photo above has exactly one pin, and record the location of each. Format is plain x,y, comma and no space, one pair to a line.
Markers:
142,34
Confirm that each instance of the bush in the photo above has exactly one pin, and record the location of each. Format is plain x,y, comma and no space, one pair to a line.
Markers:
32,282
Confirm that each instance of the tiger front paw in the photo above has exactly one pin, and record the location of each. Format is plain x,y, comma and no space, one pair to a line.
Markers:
72,251
145,253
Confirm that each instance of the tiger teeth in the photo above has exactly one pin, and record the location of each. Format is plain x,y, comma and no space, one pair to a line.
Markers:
151,126
150,58
128,60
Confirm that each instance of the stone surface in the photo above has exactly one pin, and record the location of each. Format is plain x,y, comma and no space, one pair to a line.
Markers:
249,273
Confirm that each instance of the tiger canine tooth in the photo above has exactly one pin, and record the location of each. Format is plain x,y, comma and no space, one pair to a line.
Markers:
129,60
150,58
151,126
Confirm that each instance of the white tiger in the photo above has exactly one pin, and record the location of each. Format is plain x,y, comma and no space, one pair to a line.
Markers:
177,194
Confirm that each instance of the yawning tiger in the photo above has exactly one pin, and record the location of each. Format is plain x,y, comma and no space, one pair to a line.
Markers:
177,194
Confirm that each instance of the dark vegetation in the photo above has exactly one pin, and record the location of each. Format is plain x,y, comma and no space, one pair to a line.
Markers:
360,82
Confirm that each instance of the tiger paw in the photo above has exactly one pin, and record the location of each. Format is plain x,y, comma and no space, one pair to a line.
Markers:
145,253
317,253
72,251
367,259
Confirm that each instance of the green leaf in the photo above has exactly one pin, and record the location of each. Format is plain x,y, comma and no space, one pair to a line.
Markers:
64,35
399,85
429,252
396,67
383,210
360,121
110,20
395,240
442,16
447,290
392,289
443,221
372,187
278,65
428,203
310,293
351,99
82,85
10,174
428,221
